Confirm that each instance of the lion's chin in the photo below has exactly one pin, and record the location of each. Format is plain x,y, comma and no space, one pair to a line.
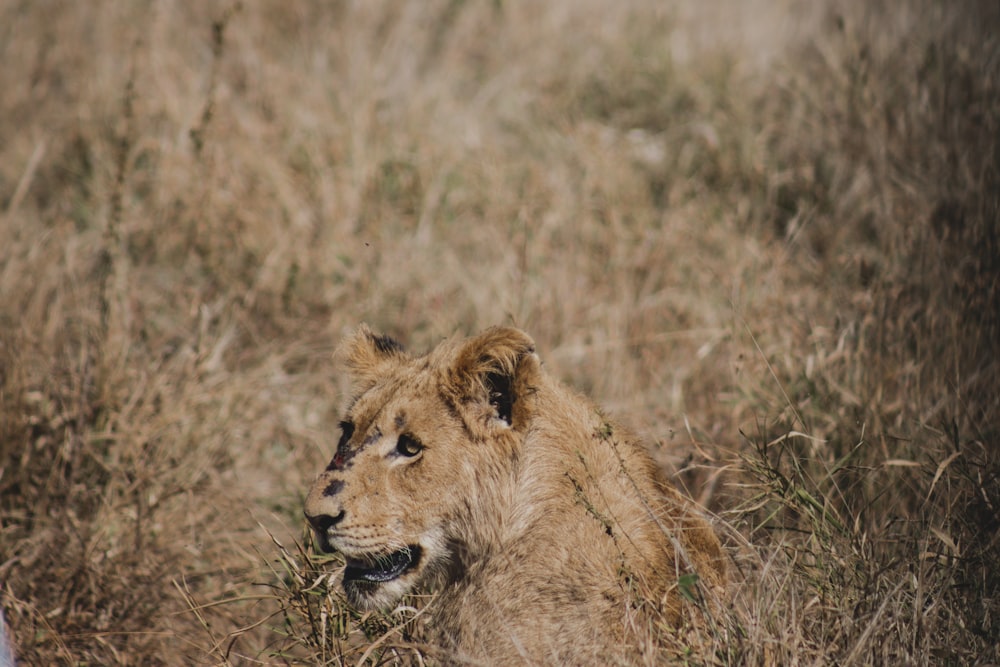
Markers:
379,582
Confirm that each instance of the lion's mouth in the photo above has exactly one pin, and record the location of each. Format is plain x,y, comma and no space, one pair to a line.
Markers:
383,568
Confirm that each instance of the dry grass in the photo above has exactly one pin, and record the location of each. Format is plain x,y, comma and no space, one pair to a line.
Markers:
763,233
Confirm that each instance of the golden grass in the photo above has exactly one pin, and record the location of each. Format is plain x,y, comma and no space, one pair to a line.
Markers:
763,234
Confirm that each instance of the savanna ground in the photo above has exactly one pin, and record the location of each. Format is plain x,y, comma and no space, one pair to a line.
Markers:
764,234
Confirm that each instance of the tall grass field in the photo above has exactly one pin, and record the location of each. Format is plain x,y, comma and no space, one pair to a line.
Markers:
765,234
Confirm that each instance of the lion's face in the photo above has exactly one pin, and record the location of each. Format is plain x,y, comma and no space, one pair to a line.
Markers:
410,477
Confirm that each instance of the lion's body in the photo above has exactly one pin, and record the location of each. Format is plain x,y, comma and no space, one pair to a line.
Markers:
545,530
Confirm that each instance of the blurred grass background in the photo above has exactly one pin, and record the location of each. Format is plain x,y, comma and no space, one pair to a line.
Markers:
764,234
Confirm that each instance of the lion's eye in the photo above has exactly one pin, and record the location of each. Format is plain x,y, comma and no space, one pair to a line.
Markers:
407,445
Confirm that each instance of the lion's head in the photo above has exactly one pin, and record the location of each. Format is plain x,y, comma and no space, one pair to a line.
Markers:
424,447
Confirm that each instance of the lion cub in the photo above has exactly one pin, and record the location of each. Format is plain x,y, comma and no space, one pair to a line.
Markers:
544,529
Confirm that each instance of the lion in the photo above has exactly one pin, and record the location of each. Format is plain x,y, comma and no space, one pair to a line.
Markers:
545,530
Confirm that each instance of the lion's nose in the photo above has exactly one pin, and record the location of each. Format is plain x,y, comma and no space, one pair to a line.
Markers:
321,523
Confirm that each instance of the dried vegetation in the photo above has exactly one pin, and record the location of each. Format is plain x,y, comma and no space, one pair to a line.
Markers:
766,234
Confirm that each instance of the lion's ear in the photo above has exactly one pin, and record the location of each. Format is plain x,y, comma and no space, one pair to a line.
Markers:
496,370
369,355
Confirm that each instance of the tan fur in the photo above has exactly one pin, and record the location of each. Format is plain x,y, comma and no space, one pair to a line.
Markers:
543,527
